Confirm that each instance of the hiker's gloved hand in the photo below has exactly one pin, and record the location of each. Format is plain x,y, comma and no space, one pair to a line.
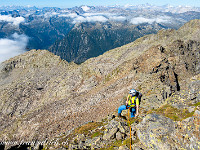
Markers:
127,106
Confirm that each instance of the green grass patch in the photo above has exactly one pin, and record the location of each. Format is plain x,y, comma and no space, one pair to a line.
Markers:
197,104
45,148
85,129
107,78
98,133
127,142
172,112
116,143
113,145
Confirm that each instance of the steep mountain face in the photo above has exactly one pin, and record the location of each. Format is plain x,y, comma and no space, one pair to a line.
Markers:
44,97
42,32
88,40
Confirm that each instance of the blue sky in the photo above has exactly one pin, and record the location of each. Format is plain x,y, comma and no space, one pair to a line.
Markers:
71,3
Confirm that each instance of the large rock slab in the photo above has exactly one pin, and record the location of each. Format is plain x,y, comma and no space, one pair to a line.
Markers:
160,133
154,130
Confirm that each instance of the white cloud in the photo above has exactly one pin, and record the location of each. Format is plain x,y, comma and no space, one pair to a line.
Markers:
159,19
13,46
90,19
16,21
139,20
118,18
71,15
99,14
91,14
79,19
93,17
50,14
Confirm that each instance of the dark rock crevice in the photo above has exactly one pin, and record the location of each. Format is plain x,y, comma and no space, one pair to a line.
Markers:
177,83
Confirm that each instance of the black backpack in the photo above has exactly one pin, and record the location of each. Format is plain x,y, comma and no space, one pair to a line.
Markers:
139,96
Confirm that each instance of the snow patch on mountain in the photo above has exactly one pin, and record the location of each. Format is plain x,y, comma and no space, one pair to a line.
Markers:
85,8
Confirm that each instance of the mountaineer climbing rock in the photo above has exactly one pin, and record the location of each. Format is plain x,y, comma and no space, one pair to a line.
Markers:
132,102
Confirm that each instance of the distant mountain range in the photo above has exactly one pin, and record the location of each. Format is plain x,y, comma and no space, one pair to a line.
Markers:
79,33
164,8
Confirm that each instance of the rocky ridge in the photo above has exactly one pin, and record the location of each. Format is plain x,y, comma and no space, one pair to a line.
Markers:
44,97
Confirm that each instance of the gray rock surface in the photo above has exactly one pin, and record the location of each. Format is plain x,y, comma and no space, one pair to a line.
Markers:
158,132
153,131
123,148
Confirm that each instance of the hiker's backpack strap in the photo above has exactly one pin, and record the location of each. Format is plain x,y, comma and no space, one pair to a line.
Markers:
135,100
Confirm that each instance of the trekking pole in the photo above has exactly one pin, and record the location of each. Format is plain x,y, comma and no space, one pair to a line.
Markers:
129,125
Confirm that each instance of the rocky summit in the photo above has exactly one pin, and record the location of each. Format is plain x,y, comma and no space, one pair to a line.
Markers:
48,103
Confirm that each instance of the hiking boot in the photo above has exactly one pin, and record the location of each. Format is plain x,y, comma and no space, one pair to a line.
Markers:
119,115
